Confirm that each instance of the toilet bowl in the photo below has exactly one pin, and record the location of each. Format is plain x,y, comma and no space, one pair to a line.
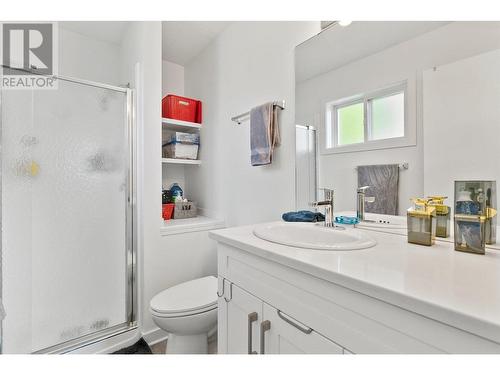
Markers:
187,312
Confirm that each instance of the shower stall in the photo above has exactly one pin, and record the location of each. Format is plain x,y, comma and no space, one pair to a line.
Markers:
68,252
306,161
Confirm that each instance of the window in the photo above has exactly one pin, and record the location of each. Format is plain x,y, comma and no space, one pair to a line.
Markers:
367,121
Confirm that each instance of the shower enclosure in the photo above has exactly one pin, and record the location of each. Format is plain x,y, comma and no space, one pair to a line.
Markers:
68,227
306,176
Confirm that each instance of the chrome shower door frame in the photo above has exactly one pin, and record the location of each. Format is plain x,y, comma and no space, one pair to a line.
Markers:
131,229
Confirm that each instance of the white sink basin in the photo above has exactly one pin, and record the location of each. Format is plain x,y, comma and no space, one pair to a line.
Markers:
313,236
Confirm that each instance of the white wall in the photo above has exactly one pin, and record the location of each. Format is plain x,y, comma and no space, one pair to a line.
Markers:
172,78
173,83
248,64
407,60
142,44
88,58
164,260
461,122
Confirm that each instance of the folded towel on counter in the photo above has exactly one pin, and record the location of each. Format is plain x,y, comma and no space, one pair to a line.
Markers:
264,133
384,186
303,216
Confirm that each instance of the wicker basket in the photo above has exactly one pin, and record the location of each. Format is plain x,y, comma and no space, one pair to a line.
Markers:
184,210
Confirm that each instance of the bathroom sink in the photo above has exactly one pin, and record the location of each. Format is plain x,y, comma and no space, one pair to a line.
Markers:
313,236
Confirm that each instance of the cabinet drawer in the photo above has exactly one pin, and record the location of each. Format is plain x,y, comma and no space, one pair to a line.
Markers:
288,336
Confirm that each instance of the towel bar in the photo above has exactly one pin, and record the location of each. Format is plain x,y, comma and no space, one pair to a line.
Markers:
244,116
404,165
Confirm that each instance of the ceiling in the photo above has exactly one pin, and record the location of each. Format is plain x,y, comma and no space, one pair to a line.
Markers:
108,31
337,45
184,40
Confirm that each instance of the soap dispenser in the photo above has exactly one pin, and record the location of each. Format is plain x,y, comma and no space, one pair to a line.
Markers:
442,215
421,222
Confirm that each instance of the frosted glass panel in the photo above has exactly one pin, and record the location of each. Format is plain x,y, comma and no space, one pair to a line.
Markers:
65,165
388,117
351,124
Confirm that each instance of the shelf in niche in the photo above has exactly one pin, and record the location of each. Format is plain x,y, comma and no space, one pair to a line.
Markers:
178,125
180,161
195,224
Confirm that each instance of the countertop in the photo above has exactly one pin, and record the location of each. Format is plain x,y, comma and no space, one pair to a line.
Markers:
459,289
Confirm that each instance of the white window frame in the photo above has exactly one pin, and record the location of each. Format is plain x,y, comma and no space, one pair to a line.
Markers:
331,145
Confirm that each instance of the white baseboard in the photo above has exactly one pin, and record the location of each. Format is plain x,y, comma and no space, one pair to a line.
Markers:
154,336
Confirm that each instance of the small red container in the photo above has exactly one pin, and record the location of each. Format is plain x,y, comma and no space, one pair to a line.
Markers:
181,108
167,211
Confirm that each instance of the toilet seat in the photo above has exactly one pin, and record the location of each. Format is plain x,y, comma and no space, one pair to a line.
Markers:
189,298
182,314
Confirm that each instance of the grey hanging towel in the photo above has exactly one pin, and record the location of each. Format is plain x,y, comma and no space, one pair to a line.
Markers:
264,133
383,181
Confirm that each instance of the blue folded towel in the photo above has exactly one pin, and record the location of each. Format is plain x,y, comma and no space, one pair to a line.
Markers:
303,216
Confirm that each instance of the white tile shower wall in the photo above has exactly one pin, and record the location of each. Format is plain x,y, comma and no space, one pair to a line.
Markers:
248,64
408,59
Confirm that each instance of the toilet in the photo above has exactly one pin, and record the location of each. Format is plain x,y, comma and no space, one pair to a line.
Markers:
188,312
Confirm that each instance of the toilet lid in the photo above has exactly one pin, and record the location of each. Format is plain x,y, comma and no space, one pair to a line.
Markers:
190,296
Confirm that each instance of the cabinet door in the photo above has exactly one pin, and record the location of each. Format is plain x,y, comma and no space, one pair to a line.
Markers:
239,323
286,335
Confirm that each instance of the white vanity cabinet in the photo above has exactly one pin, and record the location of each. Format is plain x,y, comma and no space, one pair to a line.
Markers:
269,306
251,326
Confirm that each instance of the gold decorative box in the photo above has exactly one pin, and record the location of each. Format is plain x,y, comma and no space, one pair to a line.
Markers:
421,222
442,215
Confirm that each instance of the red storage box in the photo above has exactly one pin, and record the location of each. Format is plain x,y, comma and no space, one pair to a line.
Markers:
181,108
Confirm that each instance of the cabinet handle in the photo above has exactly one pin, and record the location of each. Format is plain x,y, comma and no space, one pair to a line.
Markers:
230,292
300,327
264,326
220,294
252,317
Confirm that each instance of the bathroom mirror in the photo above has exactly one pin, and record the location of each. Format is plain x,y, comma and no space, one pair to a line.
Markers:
418,100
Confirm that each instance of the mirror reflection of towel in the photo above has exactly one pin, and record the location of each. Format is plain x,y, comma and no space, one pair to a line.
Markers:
2,311
384,186
264,133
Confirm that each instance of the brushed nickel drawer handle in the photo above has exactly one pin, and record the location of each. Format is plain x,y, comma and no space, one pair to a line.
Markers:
252,317
301,328
264,326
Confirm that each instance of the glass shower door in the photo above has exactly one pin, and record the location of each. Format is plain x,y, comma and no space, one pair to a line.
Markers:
67,215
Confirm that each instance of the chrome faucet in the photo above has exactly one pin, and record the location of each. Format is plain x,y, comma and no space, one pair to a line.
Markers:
328,204
360,202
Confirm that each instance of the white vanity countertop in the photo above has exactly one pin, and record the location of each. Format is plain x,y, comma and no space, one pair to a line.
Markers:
460,289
